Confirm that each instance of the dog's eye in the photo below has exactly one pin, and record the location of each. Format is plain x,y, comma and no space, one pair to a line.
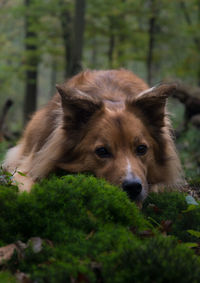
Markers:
141,149
102,152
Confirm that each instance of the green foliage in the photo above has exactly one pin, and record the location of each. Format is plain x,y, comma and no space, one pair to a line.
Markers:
194,233
7,277
157,260
173,206
188,145
6,178
95,233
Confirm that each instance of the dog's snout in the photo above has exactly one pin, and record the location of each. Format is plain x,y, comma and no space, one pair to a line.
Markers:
132,187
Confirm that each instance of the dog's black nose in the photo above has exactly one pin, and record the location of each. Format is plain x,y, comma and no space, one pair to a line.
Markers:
132,187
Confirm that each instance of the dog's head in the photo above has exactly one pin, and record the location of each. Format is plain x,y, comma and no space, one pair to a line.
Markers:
126,142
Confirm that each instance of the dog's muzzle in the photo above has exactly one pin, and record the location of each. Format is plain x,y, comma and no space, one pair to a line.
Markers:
133,188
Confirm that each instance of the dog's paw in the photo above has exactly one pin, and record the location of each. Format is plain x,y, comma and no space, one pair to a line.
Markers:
23,182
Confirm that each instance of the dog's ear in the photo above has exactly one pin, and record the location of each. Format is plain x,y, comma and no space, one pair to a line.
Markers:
78,107
151,103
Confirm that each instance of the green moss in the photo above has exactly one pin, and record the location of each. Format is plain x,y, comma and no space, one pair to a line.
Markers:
58,205
96,233
7,277
194,183
159,259
173,206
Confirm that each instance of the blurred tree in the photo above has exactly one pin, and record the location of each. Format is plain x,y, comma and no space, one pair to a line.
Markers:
32,61
108,32
153,8
79,27
3,116
112,41
66,22
73,34
193,22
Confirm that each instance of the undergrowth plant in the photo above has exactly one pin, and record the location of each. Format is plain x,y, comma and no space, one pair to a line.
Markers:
92,232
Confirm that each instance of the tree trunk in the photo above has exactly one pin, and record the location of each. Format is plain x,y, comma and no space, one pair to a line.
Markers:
3,116
198,44
122,37
151,44
67,31
79,27
111,46
53,78
196,38
73,35
32,60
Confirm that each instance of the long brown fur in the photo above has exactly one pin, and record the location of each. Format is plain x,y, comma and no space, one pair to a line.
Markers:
114,109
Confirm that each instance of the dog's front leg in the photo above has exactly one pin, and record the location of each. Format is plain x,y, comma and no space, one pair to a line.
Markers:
23,182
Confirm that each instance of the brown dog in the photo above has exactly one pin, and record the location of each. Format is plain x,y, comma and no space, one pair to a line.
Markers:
105,122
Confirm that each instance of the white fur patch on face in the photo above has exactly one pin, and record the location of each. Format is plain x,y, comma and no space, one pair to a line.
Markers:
146,91
129,173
